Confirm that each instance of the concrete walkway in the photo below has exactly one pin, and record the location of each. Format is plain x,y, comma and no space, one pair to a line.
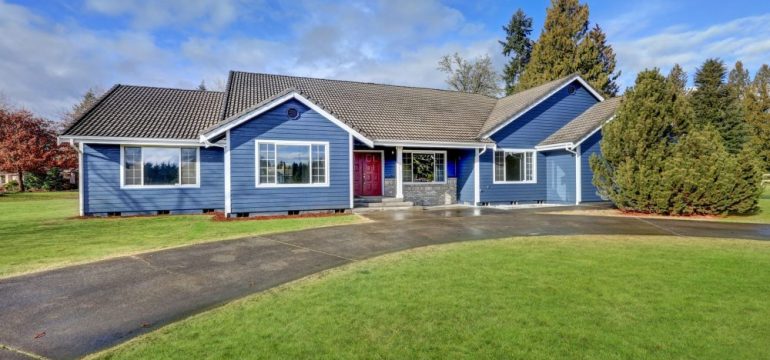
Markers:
74,311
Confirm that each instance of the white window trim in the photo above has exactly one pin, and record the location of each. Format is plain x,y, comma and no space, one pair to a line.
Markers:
287,142
446,160
141,160
518,151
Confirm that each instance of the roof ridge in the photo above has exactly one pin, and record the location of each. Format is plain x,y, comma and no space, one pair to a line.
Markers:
366,83
226,100
171,88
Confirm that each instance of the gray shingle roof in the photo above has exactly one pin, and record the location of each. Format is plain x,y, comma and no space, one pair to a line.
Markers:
150,112
584,124
380,112
515,103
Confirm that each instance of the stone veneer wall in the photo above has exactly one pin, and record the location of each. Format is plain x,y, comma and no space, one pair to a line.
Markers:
427,194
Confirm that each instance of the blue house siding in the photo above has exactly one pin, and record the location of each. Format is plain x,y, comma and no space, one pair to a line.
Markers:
274,125
587,148
507,193
544,119
560,177
102,193
465,176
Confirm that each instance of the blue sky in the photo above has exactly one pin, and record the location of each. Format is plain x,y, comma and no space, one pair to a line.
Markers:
52,51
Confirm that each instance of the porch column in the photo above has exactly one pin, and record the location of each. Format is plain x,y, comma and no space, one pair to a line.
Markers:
399,172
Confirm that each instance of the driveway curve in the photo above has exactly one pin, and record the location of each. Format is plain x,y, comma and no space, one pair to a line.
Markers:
73,311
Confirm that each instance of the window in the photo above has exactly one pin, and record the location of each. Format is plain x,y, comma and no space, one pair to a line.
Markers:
514,166
159,166
424,166
291,163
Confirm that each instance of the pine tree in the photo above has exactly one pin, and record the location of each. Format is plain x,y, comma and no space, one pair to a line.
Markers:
566,23
595,61
566,46
517,46
739,80
757,106
635,145
714,103
89,99
678,77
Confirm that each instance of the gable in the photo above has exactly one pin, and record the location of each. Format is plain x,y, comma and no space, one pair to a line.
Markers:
547,117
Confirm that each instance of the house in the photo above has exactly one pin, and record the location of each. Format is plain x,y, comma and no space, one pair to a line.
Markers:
273,144
6,177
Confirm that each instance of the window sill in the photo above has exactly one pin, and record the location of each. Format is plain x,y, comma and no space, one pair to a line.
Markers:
514,182
425,183
140,187
278,186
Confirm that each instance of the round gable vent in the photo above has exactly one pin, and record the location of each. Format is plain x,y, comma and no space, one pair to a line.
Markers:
571,89
292,113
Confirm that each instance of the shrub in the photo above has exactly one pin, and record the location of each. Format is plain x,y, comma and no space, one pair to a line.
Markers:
11,186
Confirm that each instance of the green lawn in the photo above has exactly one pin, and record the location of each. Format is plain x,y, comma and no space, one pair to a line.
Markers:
529,298
40,230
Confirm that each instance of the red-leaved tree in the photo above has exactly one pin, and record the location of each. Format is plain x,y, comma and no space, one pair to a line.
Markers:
27,143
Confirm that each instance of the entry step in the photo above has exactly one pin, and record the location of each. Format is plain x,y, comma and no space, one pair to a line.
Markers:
381,202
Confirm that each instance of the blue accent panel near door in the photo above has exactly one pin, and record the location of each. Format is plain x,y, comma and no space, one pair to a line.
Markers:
275,125
465,175
545,118
103,194
560,177
587,148
507,193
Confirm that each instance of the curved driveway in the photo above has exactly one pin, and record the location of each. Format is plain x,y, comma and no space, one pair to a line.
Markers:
73,311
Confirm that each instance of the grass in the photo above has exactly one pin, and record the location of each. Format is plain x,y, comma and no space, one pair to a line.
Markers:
534,298
41,230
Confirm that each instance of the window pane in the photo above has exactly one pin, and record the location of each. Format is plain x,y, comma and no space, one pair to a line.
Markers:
132,167
319,164
189,166
514,170
440,167
528,175
423,167
161,166
499,165
293,164
266,163
406,162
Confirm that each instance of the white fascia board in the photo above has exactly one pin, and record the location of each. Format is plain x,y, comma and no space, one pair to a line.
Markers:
127,141
431,144
272,104
539,101
564,146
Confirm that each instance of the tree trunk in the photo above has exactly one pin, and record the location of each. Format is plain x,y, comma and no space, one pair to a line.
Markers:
21,181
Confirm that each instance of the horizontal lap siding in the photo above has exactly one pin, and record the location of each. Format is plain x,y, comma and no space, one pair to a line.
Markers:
101,166
275,125
544,119
587,148
504,193
560,177
465,176
526,132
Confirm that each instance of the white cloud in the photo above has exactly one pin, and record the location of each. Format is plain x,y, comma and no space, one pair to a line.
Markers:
145,14
746,39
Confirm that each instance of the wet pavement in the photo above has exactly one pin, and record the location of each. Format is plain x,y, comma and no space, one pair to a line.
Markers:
77,310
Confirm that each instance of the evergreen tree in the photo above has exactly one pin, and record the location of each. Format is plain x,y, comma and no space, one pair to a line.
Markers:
202,85
678,77
714,103
637,142
89,99
517,46
595,61
566,46
757,106
739,80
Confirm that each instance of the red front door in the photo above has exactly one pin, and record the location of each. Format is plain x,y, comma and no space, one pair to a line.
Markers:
367,176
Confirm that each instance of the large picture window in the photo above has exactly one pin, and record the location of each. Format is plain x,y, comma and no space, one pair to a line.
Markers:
424,166
291,163
514,167
148,166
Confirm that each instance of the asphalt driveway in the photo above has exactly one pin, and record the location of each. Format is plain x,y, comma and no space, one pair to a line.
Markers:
74,311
